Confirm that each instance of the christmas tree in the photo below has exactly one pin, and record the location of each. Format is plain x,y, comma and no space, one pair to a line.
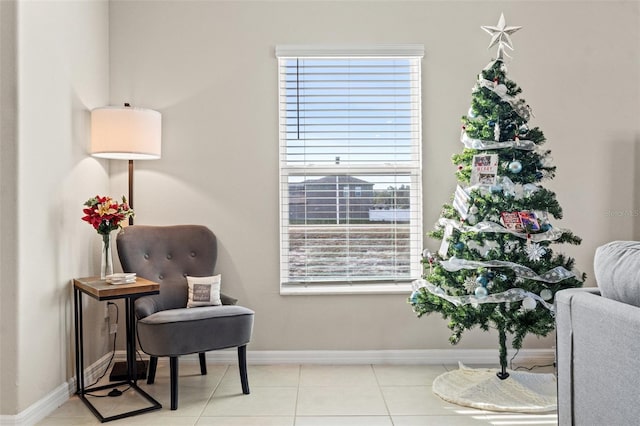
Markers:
495,267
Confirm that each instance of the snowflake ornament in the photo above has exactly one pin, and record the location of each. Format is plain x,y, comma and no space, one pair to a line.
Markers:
470,284
535,252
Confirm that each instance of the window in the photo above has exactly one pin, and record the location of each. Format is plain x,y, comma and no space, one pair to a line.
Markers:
350,167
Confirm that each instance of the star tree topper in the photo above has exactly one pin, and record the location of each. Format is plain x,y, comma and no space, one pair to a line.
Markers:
500,35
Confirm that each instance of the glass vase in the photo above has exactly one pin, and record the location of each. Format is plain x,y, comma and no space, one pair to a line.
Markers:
106,258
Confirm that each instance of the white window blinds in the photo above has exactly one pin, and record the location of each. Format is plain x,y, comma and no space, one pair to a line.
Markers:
350,164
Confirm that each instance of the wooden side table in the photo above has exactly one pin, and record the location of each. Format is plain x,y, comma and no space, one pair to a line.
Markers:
101,290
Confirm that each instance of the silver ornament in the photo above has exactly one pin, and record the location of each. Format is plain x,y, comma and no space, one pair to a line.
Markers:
529,303
481,292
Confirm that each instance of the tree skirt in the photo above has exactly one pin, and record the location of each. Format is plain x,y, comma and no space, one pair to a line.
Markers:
521,392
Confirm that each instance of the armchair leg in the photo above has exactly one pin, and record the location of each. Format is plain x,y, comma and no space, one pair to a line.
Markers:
173,371
153,364
203,364
242,364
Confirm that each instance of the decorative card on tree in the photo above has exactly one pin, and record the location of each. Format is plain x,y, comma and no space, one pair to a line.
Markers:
529,221
461,202
485,169
444,245
511,220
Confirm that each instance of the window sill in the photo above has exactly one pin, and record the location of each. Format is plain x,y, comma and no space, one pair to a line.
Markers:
333,289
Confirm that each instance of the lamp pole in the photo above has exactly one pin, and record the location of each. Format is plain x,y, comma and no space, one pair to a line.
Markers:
131,190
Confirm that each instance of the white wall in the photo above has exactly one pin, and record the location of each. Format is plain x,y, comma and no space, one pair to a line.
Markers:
61,52
209,67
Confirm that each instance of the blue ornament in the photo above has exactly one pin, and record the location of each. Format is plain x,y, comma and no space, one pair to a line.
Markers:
539,175
545,227
515,166
523,129
482,280
491,123
458,245
413,299
496,188
491,274
481,292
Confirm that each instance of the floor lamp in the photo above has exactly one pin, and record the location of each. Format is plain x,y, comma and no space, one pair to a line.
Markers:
126,133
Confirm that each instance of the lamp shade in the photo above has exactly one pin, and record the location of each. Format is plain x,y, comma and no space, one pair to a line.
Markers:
126,133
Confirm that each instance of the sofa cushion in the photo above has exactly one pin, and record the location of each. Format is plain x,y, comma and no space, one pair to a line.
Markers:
617,270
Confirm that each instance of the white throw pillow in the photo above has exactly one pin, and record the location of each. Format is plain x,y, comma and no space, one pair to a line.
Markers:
204,291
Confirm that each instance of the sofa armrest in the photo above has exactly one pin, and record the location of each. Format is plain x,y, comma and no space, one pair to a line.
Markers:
598,341
564,296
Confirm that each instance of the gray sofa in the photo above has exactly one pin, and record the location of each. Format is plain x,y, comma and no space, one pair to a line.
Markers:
598,342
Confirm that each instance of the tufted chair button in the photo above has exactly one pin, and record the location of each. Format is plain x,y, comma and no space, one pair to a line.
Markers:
169,256
146,255
161,276
193,254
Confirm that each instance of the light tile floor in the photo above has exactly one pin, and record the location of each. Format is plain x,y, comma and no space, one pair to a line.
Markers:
297,395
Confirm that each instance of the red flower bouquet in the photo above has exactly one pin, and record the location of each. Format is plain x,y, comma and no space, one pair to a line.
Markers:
106,214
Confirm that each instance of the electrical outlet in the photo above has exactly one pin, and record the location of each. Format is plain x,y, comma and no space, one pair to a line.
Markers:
113,329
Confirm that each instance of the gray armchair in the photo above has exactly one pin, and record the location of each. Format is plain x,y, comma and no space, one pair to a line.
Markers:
166,327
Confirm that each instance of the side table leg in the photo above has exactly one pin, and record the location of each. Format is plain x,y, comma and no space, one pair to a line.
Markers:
79,341
131,341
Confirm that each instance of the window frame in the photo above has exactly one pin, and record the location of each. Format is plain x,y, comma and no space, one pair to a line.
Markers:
398,285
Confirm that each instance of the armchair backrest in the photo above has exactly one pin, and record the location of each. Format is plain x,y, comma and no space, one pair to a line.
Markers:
166,255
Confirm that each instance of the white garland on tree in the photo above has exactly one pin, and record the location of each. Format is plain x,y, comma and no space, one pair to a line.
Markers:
512,295
550,235
472,143
555,275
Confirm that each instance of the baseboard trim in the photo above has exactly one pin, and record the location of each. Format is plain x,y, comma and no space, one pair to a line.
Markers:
398,357
54,399
45,406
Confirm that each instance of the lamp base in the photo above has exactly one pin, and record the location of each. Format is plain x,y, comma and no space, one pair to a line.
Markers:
119,371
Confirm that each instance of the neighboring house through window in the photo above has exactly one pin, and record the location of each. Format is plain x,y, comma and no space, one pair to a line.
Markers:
350,167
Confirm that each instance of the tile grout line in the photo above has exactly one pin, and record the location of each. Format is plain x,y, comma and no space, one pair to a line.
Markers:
295,408
386,406
215,388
